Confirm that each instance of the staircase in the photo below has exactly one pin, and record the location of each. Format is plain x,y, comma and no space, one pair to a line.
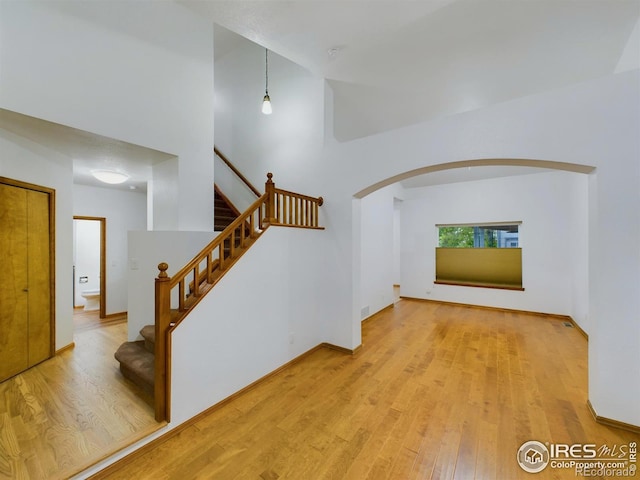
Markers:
137,361
146,362
224,212
137,358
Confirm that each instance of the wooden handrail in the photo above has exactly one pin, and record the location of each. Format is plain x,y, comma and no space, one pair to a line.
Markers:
236,171
216,242
192,282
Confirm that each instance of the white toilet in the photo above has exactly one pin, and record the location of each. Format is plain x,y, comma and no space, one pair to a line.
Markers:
92,299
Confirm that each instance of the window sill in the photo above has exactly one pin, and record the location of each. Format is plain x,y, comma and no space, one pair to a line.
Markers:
480,285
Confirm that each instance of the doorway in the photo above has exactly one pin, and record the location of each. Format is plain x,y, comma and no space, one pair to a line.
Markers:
89,263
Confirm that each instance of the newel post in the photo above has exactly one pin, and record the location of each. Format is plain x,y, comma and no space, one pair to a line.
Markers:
162,322
270,190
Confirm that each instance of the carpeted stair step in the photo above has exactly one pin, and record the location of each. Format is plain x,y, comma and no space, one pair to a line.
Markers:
137,364
148,332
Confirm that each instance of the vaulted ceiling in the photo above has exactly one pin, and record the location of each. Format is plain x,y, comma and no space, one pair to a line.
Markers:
394,63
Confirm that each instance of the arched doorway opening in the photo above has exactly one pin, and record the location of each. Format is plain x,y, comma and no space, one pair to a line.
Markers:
551,197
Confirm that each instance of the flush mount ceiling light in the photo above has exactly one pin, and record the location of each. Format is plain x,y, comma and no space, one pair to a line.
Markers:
110,176
266,101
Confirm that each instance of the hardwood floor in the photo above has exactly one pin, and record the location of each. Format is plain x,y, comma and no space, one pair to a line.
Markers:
63,415
436,392
83,320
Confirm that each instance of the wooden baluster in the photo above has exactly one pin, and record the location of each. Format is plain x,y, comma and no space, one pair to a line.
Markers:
232,246
292,213
210,267
285,209
305,209
252,227
286,203
269,188
162,324
295,209
196,280
181,295
221,255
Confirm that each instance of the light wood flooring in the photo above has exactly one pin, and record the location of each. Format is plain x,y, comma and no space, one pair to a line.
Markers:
436,392
64,414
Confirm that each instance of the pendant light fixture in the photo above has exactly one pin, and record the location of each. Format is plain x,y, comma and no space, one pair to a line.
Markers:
266,101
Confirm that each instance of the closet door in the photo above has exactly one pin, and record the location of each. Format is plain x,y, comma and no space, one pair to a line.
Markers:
25,291
39,275
14,295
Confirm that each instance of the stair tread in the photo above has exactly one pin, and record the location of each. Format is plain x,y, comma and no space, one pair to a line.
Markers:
148,332
136,358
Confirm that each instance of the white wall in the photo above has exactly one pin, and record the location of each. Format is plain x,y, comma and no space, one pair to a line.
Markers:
397,239
238,193
145,251
29,162
579,257
554,245
287,142
124,211
263,313
377,233
162,192
141,72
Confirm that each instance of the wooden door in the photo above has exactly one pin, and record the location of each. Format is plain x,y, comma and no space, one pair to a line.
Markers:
14,310
26,321
39,273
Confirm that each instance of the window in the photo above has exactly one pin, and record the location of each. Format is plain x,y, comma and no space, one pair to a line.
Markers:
478,236
480,255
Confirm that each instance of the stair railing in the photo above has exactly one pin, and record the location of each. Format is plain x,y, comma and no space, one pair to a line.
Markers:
291,209
236,171
177,295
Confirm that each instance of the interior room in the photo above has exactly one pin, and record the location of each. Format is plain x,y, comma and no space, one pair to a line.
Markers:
427,114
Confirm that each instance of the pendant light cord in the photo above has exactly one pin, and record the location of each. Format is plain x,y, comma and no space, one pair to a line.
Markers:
266,71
